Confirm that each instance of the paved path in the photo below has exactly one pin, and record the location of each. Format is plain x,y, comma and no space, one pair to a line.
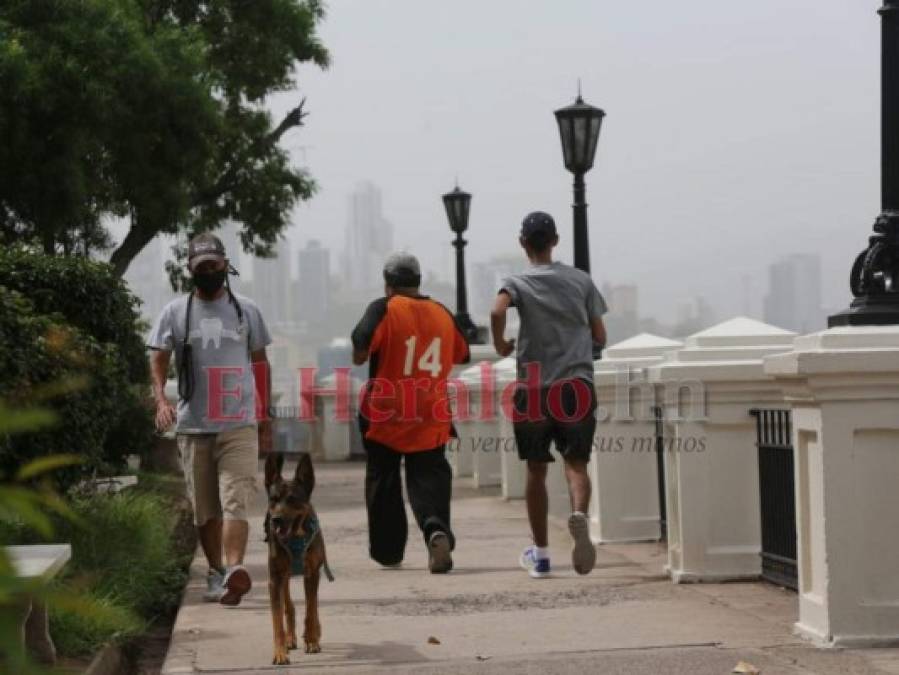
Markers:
490,617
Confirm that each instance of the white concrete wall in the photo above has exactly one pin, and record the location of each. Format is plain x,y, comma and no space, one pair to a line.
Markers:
460,450
623,467
843,387
493,440
711,458
337,434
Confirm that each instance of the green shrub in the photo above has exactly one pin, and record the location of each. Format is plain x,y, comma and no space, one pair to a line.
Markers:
129,539
125,556
80,380
83,634
80,306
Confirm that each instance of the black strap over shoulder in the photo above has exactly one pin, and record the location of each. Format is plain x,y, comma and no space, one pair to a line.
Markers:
186,377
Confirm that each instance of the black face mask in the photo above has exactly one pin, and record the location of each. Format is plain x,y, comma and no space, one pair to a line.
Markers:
210,282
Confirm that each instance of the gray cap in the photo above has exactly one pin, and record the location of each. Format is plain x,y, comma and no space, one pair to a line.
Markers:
204,246
402,269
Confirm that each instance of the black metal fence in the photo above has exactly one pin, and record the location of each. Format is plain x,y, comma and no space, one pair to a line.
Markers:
660,473
777,496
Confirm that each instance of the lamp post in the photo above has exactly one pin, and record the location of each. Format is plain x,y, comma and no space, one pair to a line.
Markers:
457,204
579,126
874,279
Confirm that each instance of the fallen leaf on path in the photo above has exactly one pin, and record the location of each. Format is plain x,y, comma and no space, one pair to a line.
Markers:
433,641
748,668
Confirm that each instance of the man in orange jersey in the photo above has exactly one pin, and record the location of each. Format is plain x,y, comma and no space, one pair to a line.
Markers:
411,343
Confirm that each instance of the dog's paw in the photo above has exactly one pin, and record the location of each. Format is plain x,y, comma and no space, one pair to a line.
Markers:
280,658
313,648
291,642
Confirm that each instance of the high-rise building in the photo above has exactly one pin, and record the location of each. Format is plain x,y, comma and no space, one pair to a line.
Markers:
369,239
794,294
622,320
693,315
272,285
485,281
312,297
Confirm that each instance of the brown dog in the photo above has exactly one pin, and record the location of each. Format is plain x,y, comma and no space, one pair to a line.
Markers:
295,546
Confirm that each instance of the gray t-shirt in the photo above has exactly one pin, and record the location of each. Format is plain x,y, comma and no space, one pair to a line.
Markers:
217,339
555,303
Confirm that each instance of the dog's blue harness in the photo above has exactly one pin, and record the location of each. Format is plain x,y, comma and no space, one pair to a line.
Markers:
299,544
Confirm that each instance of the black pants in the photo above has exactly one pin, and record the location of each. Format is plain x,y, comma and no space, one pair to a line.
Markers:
429,482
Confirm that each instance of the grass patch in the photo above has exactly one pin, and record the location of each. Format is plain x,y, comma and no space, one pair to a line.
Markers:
129,554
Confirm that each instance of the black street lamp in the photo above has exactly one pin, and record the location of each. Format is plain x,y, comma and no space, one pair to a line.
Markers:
874,279
457,204
579,126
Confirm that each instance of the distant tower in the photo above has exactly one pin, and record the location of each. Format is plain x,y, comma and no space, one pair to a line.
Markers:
623,318
794,294
369,239
271,284
313,295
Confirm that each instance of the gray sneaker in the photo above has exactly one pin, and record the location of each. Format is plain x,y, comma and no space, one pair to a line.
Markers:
215,586
439,559
583,557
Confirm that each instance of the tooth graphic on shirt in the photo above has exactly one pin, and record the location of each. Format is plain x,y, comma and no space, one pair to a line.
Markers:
212,330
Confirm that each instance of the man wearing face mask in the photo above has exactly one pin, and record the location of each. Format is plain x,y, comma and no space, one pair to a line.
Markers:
217,337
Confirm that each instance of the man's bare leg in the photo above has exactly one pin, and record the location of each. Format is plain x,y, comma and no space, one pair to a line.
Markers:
578,484
210,534
583,557
237,579
235,535
537,502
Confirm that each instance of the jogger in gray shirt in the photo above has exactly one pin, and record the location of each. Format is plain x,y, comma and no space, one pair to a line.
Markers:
561,317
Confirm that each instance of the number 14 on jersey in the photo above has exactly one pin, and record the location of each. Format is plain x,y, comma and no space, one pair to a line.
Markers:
429,361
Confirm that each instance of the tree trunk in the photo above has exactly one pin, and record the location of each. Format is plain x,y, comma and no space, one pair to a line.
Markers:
48,243
131,245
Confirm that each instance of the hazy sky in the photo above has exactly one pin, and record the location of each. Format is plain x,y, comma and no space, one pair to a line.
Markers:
735,132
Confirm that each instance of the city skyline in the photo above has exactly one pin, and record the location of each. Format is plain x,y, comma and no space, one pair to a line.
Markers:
295,295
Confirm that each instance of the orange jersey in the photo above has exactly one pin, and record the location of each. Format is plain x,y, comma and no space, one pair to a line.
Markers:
413,344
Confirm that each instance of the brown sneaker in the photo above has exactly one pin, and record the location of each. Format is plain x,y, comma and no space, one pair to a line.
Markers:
439,559
237,584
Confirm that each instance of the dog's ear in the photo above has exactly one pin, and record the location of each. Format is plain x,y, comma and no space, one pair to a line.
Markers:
305,474
273,464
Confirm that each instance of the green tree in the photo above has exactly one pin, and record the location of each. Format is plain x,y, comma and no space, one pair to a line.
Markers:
151,111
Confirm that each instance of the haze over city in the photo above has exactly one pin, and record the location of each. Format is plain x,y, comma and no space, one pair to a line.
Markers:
735,137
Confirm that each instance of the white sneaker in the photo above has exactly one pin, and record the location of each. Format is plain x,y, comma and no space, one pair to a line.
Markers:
583,555
538,568
215,586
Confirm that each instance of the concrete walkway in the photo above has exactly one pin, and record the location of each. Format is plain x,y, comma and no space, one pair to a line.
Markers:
490,617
